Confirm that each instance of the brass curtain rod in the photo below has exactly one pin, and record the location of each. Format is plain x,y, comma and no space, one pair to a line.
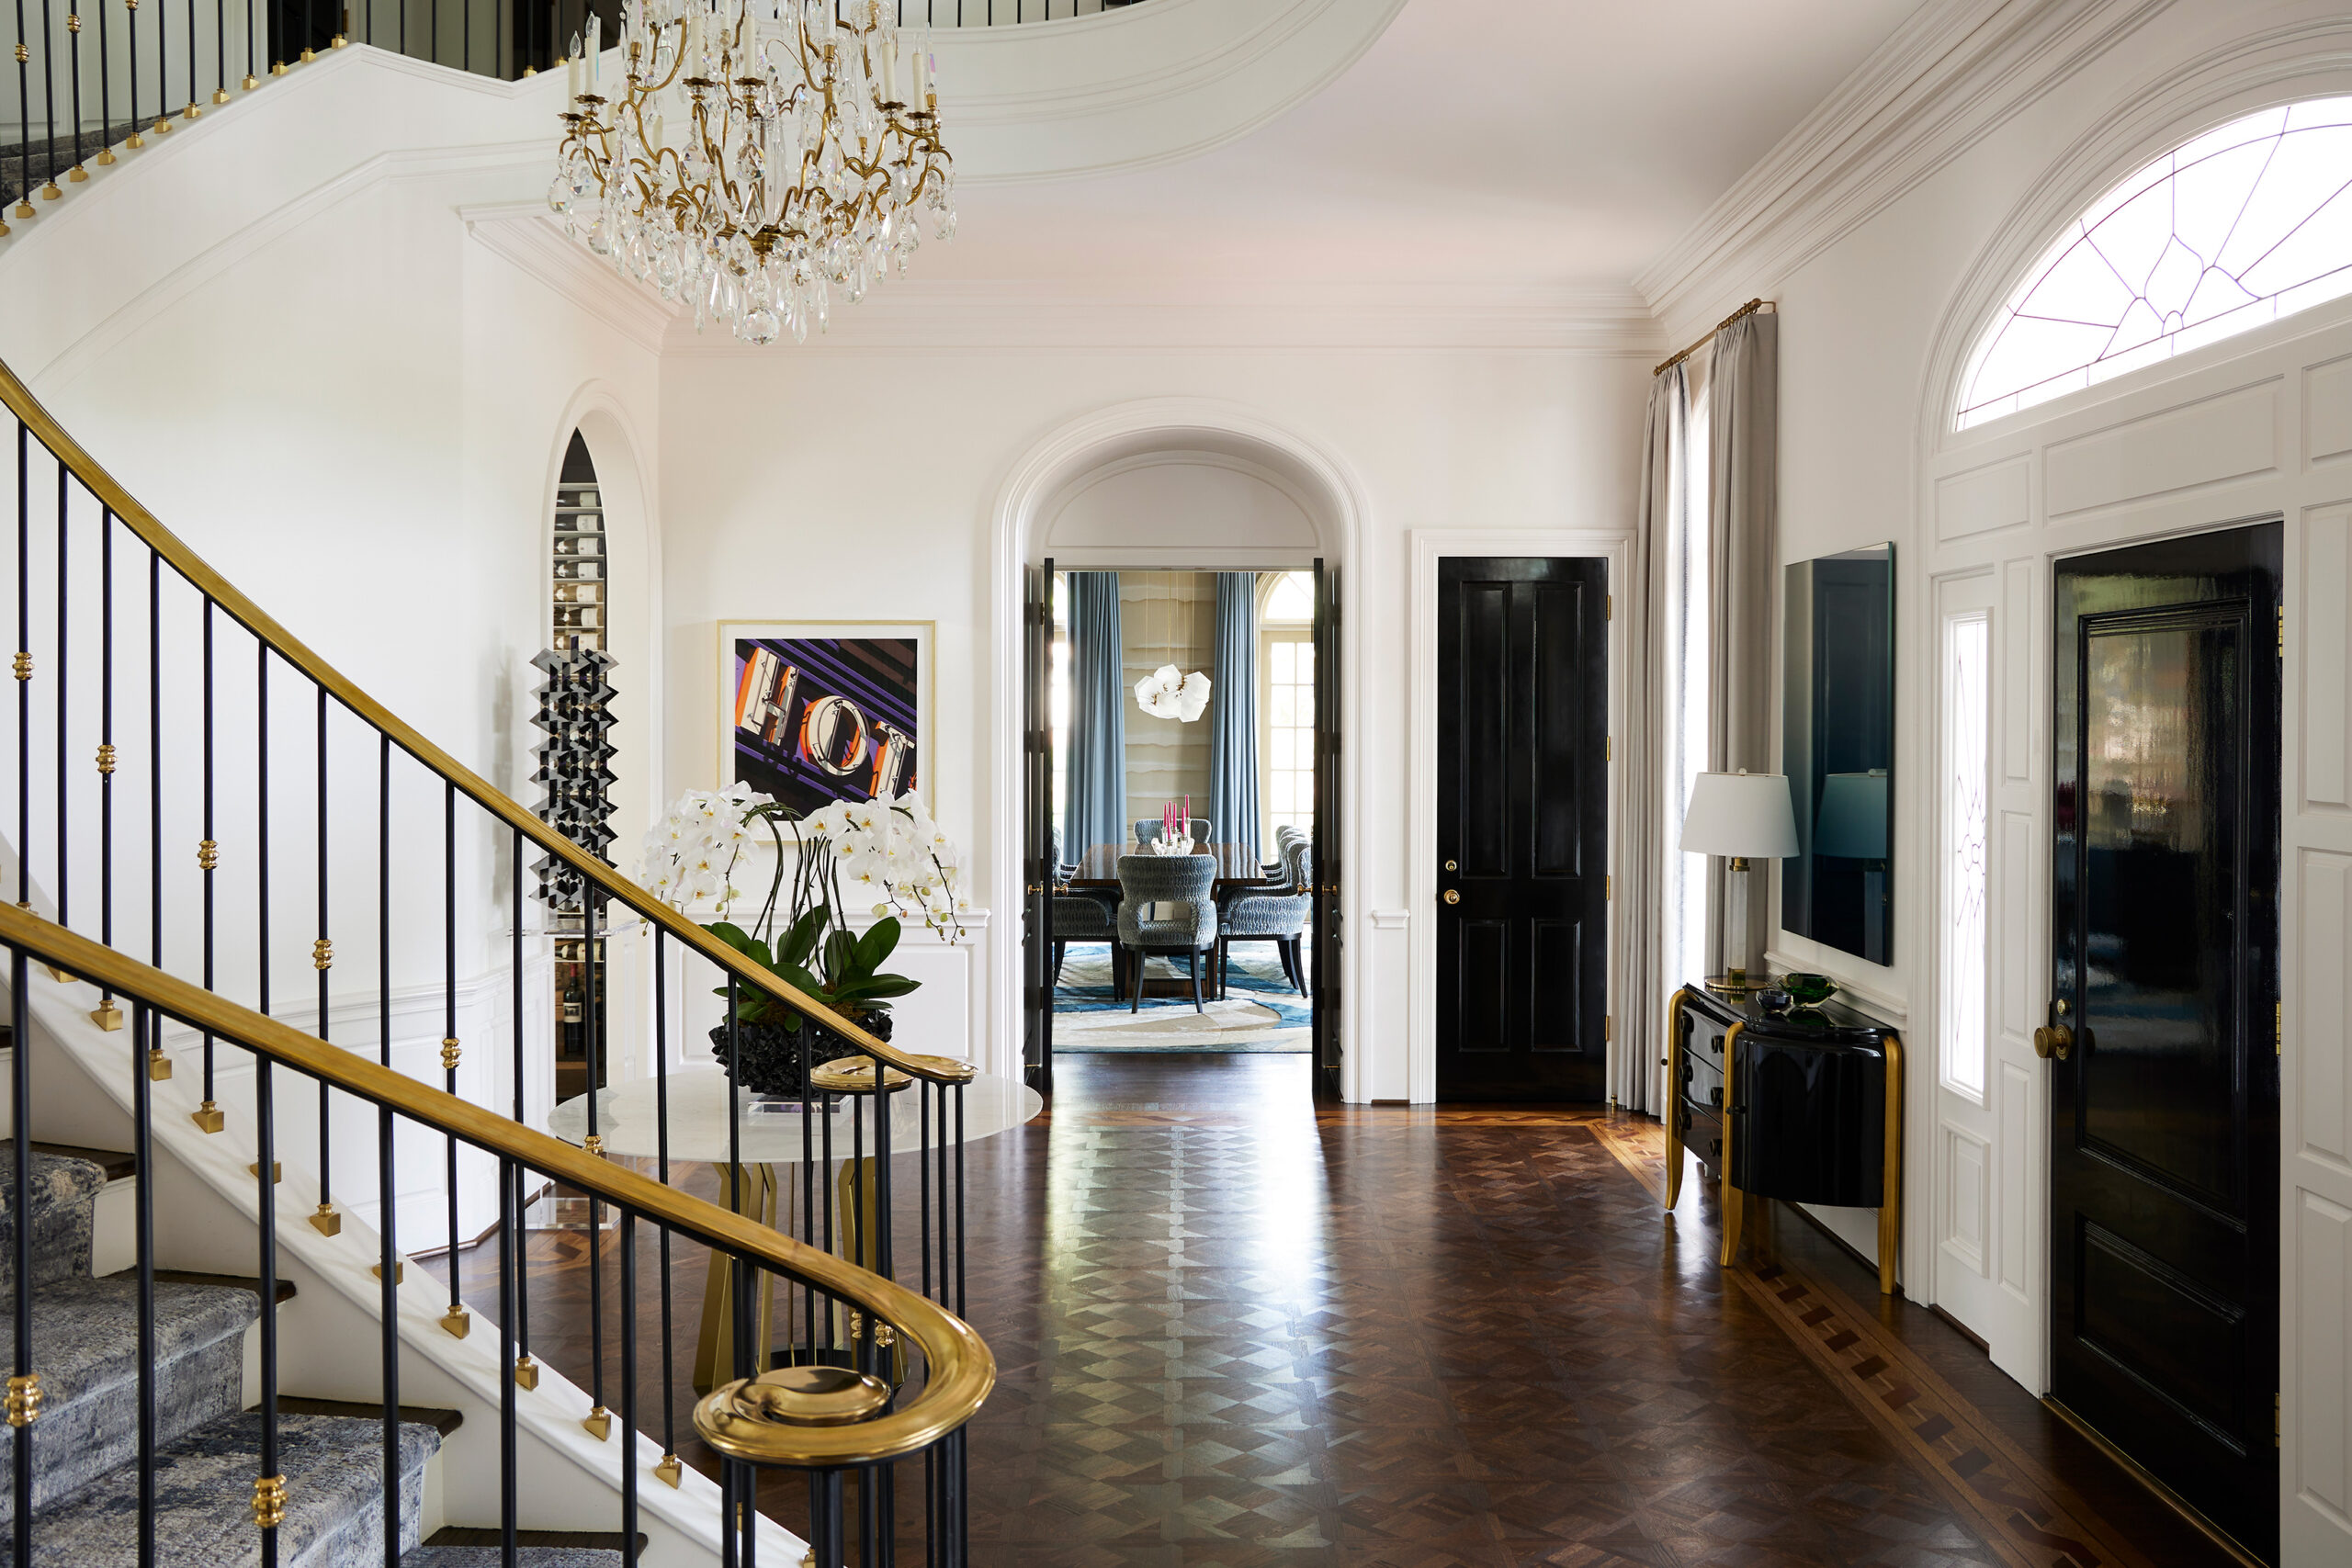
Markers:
1747,310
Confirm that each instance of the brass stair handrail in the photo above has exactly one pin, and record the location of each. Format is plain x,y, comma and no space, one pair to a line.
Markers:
961,1369
254,619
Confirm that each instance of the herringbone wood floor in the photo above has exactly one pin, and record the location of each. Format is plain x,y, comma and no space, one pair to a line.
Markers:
1231,1331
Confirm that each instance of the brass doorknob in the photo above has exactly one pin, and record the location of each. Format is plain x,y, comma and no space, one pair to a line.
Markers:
2053,1041
1451,897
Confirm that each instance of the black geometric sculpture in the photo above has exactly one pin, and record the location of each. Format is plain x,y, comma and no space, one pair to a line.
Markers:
574,763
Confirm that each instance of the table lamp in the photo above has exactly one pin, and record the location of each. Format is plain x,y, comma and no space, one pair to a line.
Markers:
1744,816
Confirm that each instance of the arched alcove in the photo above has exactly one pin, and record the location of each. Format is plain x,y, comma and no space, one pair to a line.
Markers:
1109,488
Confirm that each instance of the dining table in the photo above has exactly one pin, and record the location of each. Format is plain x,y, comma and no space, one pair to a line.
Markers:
1238,866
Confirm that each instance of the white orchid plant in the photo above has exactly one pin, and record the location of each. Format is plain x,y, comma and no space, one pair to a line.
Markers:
886,853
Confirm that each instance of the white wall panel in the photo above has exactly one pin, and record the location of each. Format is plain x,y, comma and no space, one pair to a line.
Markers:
2323,1381
2020,1128
2226,437
1999,495
2013,892
2322,596
2323,913
2327,410
2018,624
1965,1200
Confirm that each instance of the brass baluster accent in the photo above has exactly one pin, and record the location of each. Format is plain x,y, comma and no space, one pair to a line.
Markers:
598,1423
526,1371
269,1502
24,1400
24,666
322,954
208,855
326,1222
208,1117
457,1321
449,1051
106,757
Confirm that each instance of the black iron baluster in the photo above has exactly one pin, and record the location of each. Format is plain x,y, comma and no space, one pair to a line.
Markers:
146,1028
922,1195
48,110
252,61
219,51
809,1196
207,858
154,759
131,27
162,80
741,1282
824,1174
860,1234
261,822
825,1544
629,1388
455,1322
309,30
24,666
669,1466
388,1264
525,1372
192,111
106,96
73,65
600,1420
24,1386
64,689
108,1015
269,1488
510,1264
322,959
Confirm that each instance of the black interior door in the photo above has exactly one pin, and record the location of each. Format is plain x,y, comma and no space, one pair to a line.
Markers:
1325,907
1037,831
2165,1106
1522,828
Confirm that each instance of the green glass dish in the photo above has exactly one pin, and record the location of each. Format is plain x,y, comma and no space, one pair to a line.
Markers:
1809,990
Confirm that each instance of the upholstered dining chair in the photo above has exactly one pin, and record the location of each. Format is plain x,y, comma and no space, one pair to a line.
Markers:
1147,831
1082,915
1277,914
1164,911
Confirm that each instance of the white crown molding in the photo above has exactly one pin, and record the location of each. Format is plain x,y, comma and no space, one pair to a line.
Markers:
1949,75
1053,316
527,234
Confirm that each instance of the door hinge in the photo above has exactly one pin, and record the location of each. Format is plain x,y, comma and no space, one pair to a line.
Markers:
1608,1027
2278,1029
1608,748
1609,887
1609,606
2278,1422
2282,631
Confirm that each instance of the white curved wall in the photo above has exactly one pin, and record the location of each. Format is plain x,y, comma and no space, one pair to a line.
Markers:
1182,509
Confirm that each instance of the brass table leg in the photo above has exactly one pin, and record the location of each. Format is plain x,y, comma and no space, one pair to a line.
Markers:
1890,1209
1673,1062
715,1344
1731,1194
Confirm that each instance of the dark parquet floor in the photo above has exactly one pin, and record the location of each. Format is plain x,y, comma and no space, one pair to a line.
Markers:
1232,1331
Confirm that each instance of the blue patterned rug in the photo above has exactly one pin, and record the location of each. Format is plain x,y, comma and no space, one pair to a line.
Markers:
1260,1012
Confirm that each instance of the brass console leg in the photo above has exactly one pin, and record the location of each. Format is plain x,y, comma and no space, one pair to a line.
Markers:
1889,1211
1673,1062
1731,1194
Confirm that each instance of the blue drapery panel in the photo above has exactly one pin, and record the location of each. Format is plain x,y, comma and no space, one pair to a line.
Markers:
1096,805
1233,713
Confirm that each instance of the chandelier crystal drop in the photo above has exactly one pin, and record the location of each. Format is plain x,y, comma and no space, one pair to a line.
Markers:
759,157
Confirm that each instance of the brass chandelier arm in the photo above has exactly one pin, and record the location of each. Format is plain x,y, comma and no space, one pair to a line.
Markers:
20,402
962,1369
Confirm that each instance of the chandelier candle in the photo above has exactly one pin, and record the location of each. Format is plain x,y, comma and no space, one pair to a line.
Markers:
758,159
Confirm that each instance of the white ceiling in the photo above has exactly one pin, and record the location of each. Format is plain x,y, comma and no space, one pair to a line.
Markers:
1552,144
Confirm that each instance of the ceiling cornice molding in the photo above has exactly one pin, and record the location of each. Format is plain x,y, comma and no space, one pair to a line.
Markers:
1951,74
525,234
922,316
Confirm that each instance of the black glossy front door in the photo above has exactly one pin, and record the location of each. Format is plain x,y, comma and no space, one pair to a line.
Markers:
2165,1108
1522,828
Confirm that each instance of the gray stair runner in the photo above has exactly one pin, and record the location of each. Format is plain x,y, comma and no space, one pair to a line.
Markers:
85,1442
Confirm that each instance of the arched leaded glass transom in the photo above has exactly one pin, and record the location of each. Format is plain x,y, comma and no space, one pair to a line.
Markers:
2245,224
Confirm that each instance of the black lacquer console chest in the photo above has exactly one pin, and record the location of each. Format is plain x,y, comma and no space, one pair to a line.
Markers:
1804,1105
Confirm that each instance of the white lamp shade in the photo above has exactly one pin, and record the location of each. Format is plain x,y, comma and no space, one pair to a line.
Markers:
1740,814
1852,820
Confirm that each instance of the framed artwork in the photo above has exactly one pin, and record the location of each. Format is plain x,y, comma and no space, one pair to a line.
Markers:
817,711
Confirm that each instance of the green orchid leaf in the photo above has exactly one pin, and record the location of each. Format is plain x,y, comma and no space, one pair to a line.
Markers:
877,943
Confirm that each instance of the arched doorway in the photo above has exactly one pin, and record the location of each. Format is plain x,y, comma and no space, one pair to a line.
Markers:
1172,486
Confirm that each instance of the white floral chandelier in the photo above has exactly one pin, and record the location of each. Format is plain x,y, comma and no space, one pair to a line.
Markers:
760,155
1169,692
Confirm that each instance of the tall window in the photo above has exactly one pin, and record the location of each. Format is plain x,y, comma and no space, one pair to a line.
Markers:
1967,687
1286,701
2241,226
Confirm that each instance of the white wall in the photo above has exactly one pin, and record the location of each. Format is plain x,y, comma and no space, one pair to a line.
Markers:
1886,257
821,486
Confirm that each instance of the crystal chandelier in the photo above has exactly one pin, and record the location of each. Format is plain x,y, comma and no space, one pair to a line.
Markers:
760,155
